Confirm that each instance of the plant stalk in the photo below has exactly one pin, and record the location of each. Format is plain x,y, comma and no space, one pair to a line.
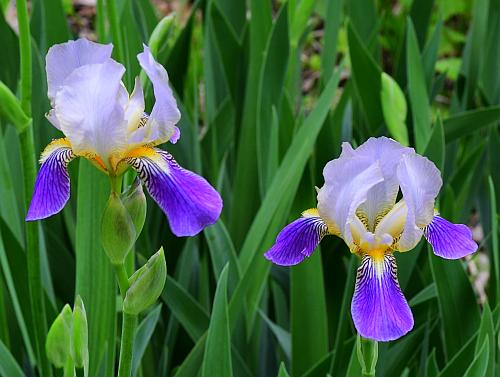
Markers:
127,344
122,278
29,169
115,29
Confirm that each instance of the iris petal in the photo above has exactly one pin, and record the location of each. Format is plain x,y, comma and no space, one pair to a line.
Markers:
297,240
52,186
165,114
420,183
379,309
89,109
347,182
448,240
187,199
62,59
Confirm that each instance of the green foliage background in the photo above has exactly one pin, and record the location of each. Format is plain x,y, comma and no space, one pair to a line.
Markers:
268,91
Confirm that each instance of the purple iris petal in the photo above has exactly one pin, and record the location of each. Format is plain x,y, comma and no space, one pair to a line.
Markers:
448,240
379,309
52,187
297,241
187,199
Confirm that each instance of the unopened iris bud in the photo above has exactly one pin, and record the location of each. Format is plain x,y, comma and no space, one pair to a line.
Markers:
80,336
146,284
58,343
117,230
134,201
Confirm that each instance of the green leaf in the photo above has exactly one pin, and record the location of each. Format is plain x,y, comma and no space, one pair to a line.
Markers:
95,281
8,364
10,109
366,75
494,235
282,371
424,295
436,147
479,365
394,109
455,295
217,358
283,336
462,124
143,337
192,316
417,89
486,332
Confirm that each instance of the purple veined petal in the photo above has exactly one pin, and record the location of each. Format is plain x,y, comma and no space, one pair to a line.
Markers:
448,240
298,239
188,200
165,113
62,59
52,187
379,309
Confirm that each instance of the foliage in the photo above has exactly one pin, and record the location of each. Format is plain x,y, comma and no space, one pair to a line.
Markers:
268,91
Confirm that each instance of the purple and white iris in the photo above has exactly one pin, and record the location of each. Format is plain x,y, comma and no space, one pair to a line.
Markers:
106,125
358,203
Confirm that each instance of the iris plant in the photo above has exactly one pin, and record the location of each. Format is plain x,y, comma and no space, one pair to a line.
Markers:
359,203
104,124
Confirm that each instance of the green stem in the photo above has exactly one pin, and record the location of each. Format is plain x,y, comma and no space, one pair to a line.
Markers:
127,344
29,168
122,277
367,351
115,29
69,368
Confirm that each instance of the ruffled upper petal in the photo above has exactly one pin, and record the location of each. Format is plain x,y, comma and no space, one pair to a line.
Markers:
52,186
347,183
90,109
62,59
187,199
382,196
160,126
420,183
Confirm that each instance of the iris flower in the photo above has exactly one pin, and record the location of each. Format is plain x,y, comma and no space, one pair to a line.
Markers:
104,124
359,203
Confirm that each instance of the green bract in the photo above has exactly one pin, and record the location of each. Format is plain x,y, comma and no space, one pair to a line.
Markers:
146,284
118,232
58,343
134,201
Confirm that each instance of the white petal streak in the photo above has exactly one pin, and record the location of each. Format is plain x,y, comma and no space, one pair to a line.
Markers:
347,182
420,183
89,109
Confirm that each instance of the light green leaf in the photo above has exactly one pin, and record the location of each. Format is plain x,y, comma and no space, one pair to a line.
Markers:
394,109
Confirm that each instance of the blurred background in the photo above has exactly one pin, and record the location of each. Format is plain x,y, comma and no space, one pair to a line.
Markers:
268,91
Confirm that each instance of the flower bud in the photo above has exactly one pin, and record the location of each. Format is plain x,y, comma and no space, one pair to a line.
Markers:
80,336
58,342
146,284
134,201
117,230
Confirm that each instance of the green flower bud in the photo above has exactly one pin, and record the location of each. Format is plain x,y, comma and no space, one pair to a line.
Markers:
146,284
117,230
58,342
134,201
80,336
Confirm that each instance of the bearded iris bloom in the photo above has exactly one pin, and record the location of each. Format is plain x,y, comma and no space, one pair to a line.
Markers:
358,203
104,124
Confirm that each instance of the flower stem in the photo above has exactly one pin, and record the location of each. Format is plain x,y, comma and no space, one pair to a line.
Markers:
122,277
29,169
127,344
367,350
69,368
